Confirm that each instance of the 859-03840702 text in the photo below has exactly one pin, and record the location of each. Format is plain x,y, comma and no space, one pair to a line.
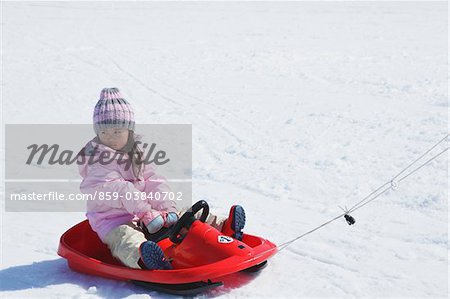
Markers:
97,195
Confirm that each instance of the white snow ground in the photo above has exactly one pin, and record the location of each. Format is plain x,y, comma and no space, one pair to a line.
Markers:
296,108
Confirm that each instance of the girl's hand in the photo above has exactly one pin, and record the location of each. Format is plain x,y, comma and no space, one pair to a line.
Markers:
163,220
155,225
171,219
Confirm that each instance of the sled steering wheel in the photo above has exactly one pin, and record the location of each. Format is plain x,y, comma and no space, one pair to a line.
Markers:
187,219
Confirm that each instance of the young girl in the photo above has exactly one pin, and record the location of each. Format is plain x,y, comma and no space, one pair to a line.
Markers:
115,220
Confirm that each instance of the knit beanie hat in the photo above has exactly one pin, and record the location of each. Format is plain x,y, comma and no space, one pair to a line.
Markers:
112,111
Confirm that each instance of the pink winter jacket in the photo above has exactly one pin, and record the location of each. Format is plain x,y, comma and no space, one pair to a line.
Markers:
104,215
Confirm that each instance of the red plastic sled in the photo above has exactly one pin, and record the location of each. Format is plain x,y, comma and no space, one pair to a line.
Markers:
199,256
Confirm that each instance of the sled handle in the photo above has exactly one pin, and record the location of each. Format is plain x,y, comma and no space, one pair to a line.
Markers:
187,219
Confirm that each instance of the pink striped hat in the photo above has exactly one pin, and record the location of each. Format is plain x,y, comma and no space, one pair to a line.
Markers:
112,111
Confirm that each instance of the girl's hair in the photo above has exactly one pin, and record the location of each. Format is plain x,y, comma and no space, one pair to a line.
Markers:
134,153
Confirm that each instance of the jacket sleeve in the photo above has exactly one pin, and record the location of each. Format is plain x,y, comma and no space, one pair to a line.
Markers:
157,184
102,178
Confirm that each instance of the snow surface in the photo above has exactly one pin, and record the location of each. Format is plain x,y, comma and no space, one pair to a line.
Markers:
296,108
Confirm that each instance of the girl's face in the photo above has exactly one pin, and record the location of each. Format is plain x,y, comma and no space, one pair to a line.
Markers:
115,138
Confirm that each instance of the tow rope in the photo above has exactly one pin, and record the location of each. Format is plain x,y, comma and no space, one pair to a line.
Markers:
389,185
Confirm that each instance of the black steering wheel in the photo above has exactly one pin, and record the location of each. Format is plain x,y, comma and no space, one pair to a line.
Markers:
187,219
